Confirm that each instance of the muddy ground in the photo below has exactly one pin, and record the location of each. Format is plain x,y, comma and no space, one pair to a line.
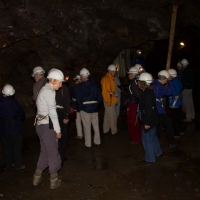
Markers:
113,171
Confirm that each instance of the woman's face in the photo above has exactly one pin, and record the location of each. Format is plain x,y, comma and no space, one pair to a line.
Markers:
37,77
57,85
130,76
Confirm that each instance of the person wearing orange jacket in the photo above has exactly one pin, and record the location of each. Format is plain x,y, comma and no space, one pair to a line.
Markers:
110,100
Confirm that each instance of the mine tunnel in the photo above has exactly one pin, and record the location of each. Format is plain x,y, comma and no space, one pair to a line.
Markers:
71,35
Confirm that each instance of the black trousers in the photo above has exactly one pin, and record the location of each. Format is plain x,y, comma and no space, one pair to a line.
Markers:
63,140
176,121
166,122
12,149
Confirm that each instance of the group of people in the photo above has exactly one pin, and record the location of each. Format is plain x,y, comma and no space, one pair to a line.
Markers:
145,113
147,101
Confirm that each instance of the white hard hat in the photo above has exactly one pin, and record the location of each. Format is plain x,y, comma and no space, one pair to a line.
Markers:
139,51
172,73
146,77
112,68
84,72
133,70
77,78
178,64
8,90
56,74
184,62
140,68
163,73
38,70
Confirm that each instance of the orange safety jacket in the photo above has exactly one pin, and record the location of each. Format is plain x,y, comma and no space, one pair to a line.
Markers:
108,89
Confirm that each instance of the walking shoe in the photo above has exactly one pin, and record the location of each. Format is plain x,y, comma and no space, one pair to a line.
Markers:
79,137
37,180
174,145
54,183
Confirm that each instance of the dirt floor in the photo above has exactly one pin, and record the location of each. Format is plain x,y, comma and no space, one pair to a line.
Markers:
113,171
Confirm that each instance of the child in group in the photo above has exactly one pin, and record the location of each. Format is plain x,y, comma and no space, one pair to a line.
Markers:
11,114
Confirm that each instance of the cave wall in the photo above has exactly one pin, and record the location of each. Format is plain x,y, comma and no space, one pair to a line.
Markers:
73,34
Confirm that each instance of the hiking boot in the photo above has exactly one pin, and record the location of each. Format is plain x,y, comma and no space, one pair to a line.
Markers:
54,183
37,180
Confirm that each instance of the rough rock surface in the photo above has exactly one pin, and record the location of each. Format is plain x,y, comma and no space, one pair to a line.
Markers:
72,34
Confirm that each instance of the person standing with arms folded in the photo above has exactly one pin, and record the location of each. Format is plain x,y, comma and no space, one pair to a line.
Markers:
48,130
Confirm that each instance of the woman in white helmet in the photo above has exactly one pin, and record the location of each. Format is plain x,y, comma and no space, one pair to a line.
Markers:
48,130
149,117
11,114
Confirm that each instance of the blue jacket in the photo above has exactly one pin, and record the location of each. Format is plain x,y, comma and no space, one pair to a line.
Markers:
11,114
88,91
160,91
175,100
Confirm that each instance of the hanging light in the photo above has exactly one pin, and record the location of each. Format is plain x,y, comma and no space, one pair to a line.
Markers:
182,44
66,78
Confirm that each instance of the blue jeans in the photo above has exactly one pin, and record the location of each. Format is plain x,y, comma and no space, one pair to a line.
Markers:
151,145
118,104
